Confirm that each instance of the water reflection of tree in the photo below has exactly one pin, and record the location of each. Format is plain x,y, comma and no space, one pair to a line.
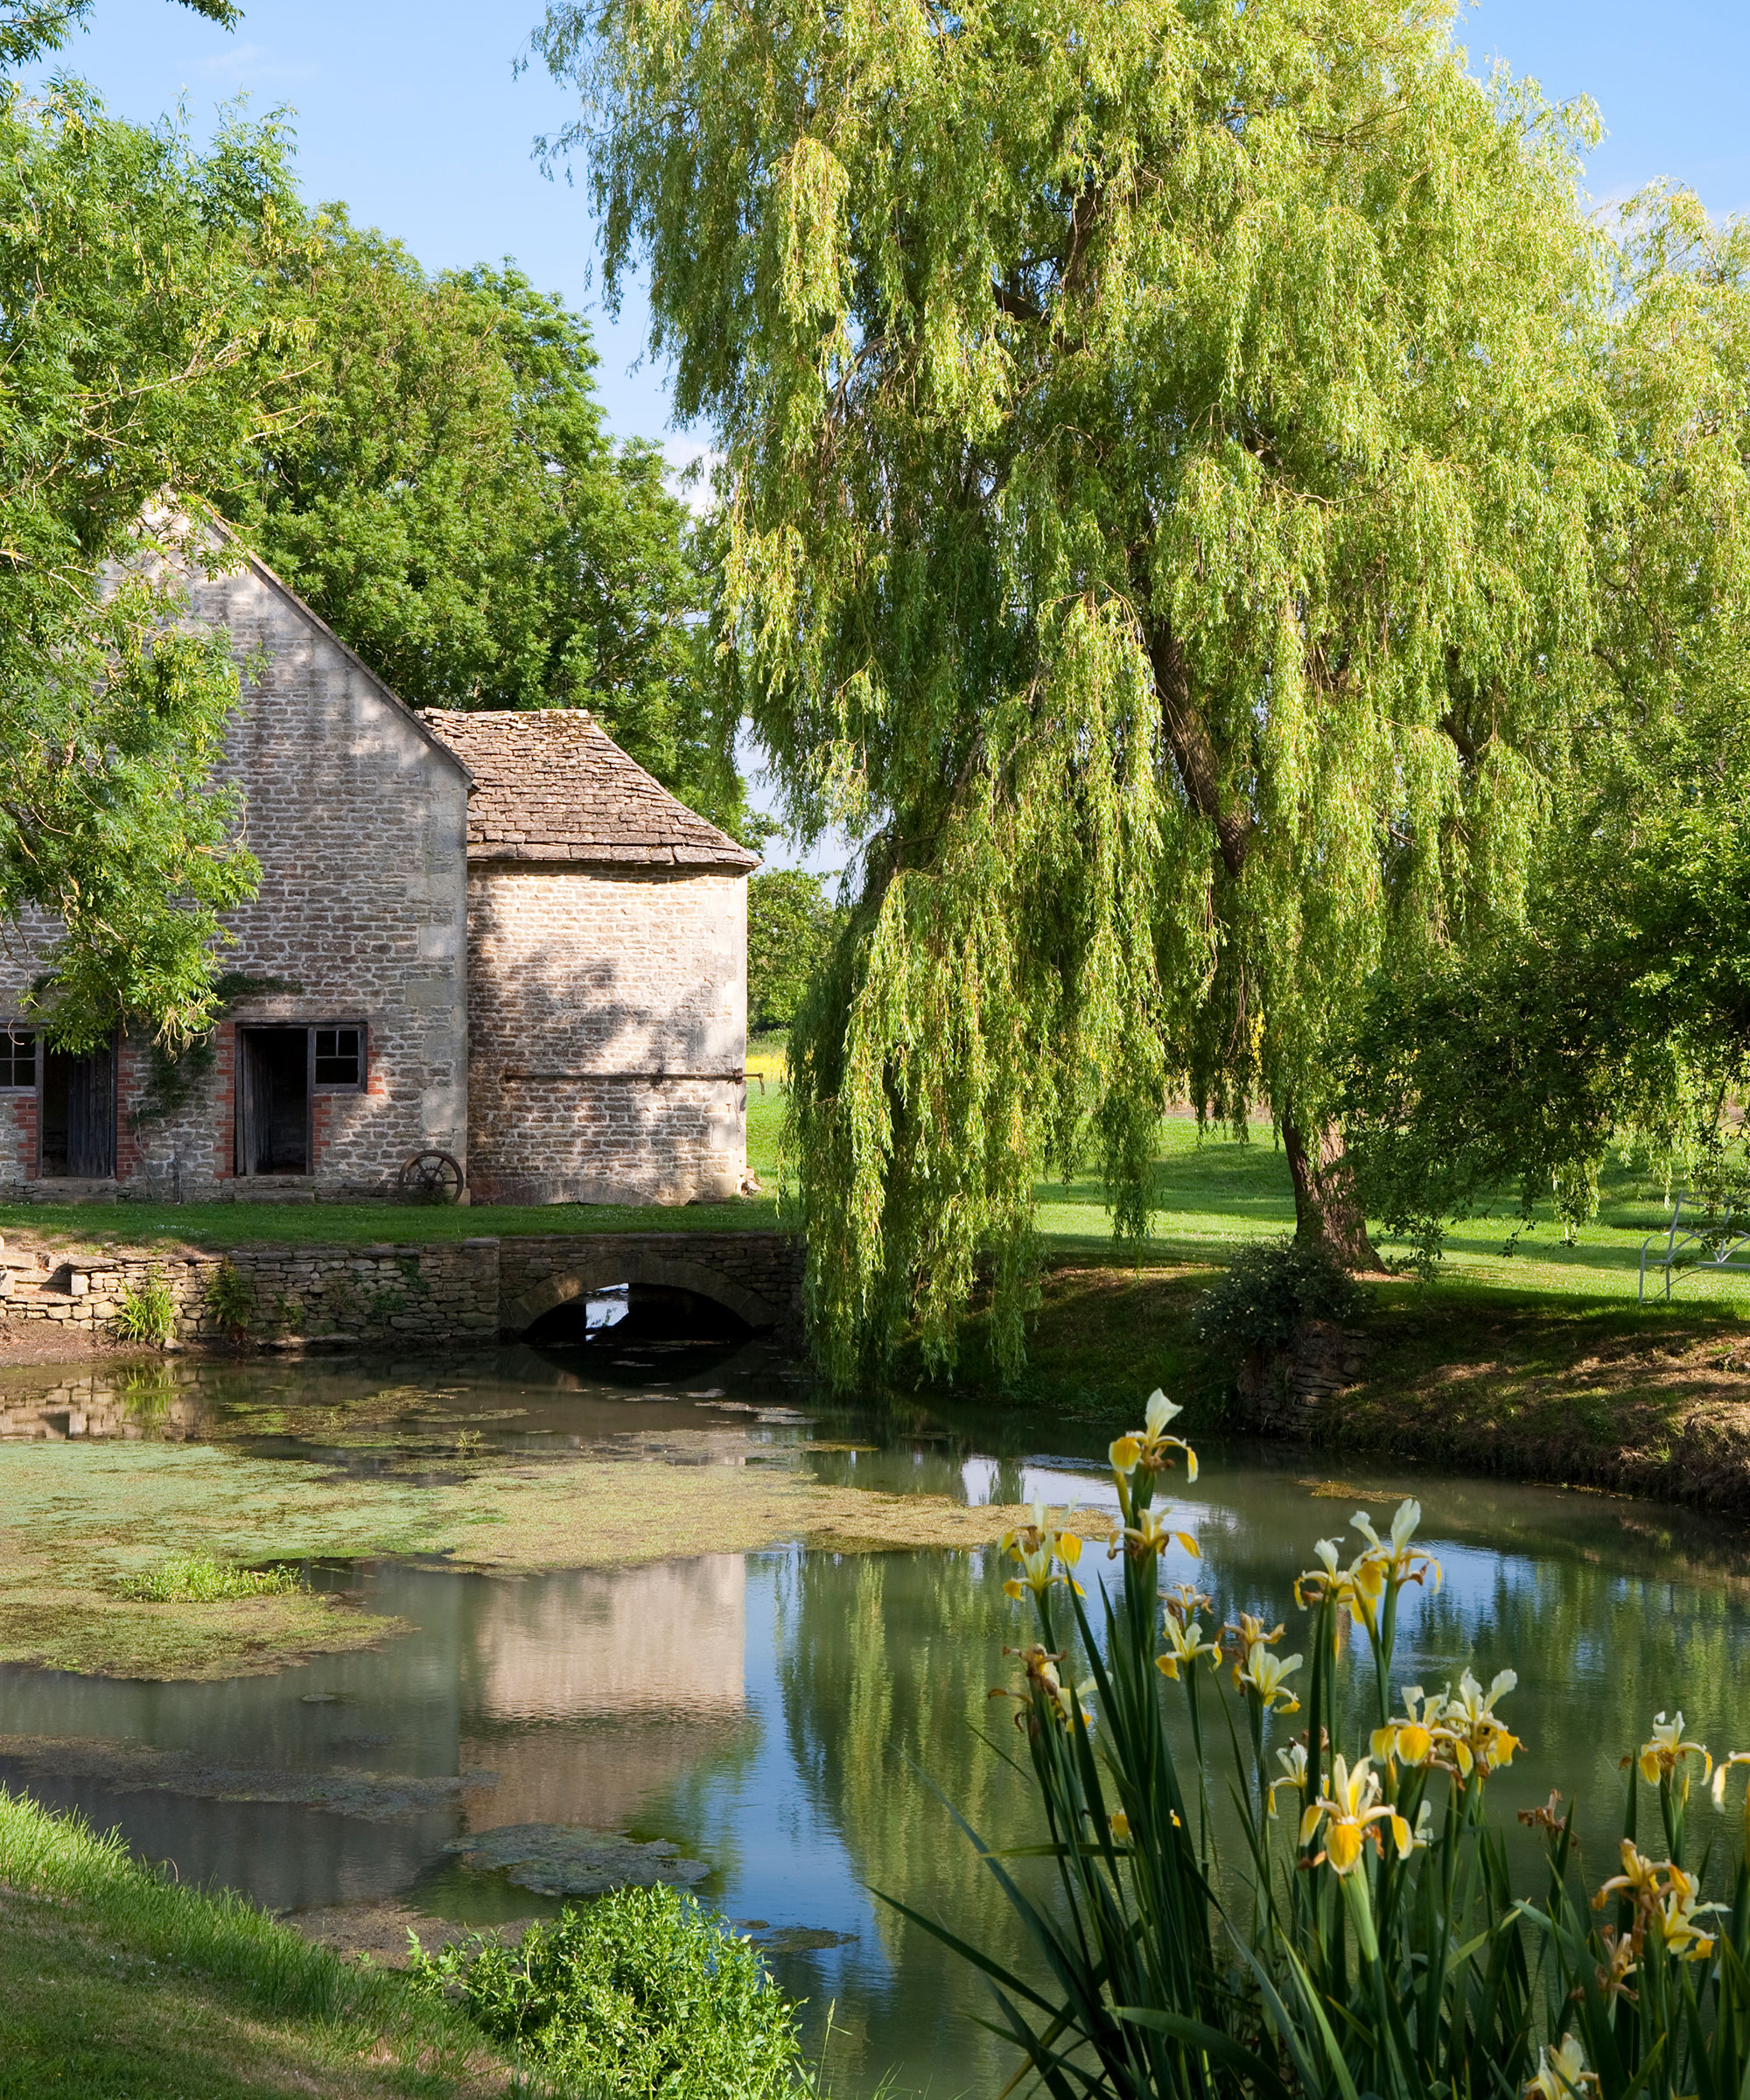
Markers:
884,1663
1606,1616
923,1466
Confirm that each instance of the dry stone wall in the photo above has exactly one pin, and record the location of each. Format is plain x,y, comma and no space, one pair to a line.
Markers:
401,1295
620,1078
1283,1392
470,1292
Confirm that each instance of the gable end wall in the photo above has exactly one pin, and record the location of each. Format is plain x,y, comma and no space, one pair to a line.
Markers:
607,1025
360,820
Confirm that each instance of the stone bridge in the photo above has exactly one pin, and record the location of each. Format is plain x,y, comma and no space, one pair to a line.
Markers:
758,1276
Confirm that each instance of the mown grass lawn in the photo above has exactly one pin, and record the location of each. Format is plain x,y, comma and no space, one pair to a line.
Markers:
1213,1193
213,1226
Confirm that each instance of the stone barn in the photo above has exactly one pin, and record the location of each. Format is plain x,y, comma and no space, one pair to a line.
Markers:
607,971
490,937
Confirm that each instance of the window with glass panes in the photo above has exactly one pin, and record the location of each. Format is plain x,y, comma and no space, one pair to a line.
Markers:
339,1057
17,1059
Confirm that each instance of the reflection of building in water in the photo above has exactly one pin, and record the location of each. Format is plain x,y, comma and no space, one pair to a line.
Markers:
591,1692
131,1403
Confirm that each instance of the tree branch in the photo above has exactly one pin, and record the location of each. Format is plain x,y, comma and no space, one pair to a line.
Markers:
1194,753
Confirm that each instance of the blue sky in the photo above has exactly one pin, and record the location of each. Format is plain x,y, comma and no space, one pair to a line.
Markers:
410,112
413,114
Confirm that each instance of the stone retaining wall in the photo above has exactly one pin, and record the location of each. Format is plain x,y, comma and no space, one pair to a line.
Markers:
1282,1393
467,1291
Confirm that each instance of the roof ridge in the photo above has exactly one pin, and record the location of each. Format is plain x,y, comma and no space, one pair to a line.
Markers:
544,792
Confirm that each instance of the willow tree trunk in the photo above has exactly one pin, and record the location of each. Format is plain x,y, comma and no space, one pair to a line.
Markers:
1327,1204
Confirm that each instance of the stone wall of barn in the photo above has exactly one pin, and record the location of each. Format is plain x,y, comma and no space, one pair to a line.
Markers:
617,1079
359,818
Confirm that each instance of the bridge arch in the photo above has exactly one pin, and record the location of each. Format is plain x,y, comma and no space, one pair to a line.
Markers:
755,1276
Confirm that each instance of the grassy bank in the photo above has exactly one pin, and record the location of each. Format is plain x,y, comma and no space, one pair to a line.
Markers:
1588,1393
211,1227
1583,1389
116,1984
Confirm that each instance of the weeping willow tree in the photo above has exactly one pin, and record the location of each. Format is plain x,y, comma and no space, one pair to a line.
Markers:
1162,448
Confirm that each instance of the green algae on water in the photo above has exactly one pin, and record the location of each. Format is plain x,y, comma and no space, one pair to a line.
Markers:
86,1520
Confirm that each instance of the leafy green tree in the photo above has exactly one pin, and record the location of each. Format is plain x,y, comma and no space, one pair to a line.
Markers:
128,322
1618,1017
437,483
1163,446
789,931
1617,1011
30,29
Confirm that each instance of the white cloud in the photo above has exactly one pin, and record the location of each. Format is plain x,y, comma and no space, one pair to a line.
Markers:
255,66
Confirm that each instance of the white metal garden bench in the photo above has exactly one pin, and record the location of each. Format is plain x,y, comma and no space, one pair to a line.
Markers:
1712,1241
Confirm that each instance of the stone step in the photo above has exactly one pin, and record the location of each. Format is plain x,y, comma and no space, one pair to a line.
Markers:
57,1188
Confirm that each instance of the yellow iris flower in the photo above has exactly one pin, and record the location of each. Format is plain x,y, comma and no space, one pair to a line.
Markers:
1186,1600
1410,1741
1469,1726
1249,1629
1150,1447
1293,1763
1036,1547
1149,1535
1639,1880
1267,1675
1184,1643
1738,1757
1398,1560
1562,2075
1350,1813
1041,1663
1329,1580
1666,1753
1676,1918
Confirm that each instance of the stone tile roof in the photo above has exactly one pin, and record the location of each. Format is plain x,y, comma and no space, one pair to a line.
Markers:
550,784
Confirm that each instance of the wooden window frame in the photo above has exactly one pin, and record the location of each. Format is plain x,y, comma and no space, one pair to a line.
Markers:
359,1085
19,1089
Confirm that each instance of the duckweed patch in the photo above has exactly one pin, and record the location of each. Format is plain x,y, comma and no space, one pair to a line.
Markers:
89,1520
198,1579
564,1860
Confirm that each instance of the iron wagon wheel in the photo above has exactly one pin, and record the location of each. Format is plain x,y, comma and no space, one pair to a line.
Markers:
433,1178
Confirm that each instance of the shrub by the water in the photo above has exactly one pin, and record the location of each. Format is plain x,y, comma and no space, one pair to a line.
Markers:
1270,1287
198,1579
231,1299
147,1311
635,1996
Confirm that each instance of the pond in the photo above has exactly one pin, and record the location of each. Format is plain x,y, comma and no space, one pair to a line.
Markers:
769,1727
